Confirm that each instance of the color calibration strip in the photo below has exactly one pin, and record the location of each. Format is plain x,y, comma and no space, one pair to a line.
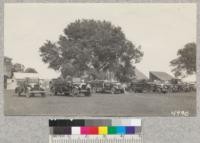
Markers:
95,131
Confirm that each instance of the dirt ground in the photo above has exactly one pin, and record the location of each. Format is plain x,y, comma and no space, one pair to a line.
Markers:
128,104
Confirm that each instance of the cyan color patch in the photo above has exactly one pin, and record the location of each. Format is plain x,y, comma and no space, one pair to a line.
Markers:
121,130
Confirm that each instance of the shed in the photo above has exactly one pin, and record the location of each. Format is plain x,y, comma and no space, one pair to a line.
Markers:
160,76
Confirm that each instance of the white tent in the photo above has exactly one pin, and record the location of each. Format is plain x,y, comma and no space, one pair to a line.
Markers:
21,76
190,79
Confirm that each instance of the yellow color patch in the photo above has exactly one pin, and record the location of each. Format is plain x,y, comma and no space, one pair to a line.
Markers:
103,130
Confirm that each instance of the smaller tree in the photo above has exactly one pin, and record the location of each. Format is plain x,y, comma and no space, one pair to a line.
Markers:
17,67
185,63
30,70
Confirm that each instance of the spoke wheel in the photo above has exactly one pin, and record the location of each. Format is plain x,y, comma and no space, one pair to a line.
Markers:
113,91
75,92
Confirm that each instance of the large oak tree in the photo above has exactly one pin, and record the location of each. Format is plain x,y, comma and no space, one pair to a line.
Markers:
92,46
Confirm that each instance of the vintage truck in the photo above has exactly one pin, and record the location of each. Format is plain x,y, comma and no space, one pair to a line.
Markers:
30,88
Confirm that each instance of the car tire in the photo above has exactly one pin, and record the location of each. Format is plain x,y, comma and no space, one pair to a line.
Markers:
19,94
112,91
75,92
55,93
28,95
20,91
87,94
94,90
43,95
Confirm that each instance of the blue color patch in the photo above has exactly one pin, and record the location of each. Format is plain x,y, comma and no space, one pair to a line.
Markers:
130,130
121,130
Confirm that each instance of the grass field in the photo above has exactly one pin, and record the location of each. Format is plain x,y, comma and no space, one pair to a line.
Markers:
129,104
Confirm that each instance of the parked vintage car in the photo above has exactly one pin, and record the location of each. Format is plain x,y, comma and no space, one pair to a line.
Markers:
113,87
186,87
80,89
143,86
30,88
103,86
61,87
160,88
139,86
96,85
68,88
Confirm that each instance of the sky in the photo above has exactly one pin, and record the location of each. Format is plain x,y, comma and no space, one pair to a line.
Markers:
160,29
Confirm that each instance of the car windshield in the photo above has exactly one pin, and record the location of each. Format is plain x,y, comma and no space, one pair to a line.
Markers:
107,84
117,83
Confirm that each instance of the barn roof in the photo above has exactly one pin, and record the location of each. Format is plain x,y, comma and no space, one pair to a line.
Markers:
161,75
139,75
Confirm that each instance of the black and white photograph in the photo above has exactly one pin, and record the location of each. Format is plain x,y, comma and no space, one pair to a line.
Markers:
100,59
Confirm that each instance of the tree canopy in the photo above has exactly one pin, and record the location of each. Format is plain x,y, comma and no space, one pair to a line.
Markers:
185,63
90,46
17,67
30,70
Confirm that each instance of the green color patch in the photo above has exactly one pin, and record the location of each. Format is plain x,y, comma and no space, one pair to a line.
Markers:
112,130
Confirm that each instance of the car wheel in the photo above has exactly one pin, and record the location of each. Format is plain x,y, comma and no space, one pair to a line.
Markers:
94,90
16,90
75,92
87,94
55,93
43,94
19,93
113,91
28,95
